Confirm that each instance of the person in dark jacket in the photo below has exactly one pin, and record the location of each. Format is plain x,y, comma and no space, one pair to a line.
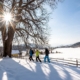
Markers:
46,55
31,52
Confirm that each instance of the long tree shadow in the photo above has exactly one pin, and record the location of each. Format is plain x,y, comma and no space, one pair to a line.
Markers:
20,69
12,70
66,72
73,72
39,72
51,72
63,74
75,69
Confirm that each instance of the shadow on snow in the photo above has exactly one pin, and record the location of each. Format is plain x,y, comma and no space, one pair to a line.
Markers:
12,69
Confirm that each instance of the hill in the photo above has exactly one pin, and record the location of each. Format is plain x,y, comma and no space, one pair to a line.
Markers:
75,45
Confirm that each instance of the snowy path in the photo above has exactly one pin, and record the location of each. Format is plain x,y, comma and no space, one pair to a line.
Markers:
20,69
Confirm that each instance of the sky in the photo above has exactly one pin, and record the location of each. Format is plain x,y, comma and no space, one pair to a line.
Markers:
65,23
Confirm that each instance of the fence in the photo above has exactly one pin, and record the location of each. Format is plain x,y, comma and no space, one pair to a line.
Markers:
75,62
68,61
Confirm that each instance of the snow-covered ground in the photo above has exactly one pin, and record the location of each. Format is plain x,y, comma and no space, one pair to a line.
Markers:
15,51
23,69
63,53
67,53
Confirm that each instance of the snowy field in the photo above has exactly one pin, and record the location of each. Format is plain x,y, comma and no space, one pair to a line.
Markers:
67,53
63,53
23,69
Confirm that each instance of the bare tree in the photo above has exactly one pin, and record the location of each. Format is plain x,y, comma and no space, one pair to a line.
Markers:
29,19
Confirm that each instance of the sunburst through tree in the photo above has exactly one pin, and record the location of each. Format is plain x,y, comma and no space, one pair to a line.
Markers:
27,20
7,17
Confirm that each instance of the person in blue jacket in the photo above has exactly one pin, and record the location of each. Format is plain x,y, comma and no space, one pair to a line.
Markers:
46,55
31,52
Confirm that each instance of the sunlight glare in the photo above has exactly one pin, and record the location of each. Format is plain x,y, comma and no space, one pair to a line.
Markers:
7,17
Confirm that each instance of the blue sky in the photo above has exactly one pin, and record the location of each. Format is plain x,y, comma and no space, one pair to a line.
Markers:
65,23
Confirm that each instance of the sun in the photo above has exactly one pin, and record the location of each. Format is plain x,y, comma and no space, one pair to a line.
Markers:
7,17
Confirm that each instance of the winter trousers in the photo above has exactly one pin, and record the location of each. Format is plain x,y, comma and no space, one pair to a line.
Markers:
38,59
30,58
46,57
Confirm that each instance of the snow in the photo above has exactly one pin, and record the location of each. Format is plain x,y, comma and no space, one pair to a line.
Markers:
23,69
15,51
67,53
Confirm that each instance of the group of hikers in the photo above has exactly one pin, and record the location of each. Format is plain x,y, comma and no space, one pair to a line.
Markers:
37,53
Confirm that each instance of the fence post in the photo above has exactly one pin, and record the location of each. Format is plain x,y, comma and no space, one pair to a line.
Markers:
76,62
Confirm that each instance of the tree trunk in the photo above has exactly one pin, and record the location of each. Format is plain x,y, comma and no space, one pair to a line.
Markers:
7,47
7,36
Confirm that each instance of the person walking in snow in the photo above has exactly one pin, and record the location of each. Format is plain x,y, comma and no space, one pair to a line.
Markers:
37,55
31,55
46,55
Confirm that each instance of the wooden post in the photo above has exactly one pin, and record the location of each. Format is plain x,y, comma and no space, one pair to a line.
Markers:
76,62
